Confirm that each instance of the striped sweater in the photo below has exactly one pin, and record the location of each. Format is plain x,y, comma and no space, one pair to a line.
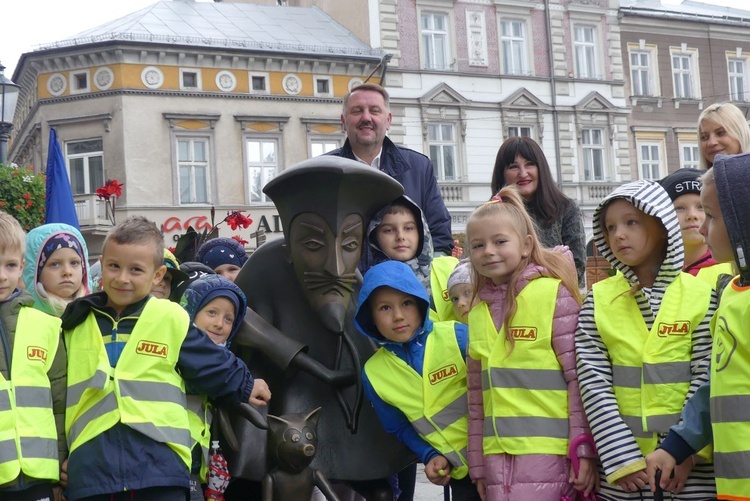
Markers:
618,451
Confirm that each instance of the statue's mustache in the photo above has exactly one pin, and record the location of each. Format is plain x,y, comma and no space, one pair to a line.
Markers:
317,280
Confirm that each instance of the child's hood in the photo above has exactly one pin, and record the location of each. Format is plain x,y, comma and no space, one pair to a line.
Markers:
36,239
208,287
424,248
732,175
648,197
396,275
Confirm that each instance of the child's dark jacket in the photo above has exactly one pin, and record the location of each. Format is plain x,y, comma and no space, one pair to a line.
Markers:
123,459
397,275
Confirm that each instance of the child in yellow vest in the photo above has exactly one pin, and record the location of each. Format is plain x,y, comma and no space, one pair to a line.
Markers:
131,356
416,381
32,382
524,404
642,342
718,410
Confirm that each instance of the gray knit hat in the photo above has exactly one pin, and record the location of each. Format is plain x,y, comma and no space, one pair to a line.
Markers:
732,175
461,274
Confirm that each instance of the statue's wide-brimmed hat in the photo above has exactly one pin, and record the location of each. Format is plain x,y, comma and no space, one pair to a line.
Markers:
332,187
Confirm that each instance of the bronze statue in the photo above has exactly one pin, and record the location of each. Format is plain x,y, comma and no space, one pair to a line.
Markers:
299,335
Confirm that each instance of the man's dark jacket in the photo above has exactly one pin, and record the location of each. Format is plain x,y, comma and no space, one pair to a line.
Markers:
417,175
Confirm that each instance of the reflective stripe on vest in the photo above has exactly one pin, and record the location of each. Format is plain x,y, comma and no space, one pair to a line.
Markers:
144,391
440,270
199,419
435,401
651,370
710,274
730,395
28,435
525,393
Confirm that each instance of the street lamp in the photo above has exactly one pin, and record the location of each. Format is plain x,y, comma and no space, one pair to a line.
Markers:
8,100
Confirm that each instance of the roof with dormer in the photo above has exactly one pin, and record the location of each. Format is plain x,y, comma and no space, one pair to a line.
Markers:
281,29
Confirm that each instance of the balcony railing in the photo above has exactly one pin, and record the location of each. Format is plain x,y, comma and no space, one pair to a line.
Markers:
453,192
92,211
590,193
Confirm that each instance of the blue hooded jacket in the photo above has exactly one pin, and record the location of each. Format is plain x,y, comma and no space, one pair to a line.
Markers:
399,276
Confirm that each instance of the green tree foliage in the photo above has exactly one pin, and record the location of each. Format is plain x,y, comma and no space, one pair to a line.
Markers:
22,193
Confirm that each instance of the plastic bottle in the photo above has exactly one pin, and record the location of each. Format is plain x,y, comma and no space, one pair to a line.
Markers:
218,474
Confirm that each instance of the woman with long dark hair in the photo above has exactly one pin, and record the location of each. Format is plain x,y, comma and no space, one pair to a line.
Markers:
558,219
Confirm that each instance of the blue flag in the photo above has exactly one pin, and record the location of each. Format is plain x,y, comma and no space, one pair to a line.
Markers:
60,207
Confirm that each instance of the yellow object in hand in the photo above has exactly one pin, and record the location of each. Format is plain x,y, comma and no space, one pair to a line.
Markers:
441,473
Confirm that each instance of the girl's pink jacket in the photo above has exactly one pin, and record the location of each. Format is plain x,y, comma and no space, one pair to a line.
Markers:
538,477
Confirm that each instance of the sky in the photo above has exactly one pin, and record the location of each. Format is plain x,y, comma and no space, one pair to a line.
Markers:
25,24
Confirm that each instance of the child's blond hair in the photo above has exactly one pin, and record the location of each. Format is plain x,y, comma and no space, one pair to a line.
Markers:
12,236
138,230
509,204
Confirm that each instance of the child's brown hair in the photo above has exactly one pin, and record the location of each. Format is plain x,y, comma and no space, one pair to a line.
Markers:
138,230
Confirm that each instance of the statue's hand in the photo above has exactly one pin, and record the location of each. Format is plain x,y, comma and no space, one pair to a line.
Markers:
343,378
306,363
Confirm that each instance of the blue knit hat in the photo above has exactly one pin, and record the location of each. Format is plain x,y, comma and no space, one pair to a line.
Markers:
208,287
219,251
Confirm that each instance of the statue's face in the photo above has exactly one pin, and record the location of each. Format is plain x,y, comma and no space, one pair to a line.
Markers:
325,262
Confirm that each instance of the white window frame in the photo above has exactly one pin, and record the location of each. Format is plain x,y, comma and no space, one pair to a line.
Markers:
428,55
443,145
520,67
258,74
739,83
585,52
198,79
88,183
517,130
683,54
656,166
689,155
319,145
589,148
74,87
267,170
652,69
192,164
324,78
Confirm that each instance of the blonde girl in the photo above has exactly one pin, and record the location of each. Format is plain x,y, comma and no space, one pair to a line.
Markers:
56,270
722,130
521,344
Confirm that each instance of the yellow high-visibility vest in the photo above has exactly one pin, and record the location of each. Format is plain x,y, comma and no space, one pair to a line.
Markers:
524,390
440,270
143,391
710,274
730,394
434,402
651,370
199,420
28,435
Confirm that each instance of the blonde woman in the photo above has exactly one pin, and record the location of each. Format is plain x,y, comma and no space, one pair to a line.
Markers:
722,130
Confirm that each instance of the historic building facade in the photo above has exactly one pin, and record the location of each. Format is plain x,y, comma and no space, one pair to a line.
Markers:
191,105
680,59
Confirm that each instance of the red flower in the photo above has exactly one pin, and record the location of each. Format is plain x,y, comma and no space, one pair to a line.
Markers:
27,196
112,188
237,219
239,239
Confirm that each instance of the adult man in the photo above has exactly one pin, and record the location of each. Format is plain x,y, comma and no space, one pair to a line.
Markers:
302,292
366,118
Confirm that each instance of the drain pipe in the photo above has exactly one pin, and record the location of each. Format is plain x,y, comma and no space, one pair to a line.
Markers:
553,90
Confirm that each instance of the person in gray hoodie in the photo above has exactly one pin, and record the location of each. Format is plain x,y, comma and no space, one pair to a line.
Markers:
642,342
